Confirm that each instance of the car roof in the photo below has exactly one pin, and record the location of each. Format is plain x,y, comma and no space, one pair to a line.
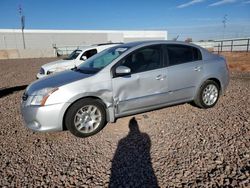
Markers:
141,43
152,42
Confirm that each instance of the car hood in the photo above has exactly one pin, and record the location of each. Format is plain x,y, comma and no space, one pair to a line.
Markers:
56,64
56,80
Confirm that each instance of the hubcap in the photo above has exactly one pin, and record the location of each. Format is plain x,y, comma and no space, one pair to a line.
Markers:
210,94
87,119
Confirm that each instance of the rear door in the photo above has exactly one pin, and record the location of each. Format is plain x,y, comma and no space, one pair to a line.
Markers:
185,69
146,85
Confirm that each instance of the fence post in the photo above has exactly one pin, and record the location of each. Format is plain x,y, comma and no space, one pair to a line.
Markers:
248,44
221,46
232,43
218,48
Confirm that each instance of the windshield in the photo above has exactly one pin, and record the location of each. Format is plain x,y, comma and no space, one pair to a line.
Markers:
101,60
73,55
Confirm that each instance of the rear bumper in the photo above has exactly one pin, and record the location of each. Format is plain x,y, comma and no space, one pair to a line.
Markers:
44,118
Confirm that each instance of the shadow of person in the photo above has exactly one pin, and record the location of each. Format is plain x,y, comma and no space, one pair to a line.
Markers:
131,165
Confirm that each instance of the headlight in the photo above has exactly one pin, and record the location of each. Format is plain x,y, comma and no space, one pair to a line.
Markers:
40,97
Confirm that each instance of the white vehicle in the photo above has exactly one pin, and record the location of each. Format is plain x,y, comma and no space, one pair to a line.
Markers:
77,57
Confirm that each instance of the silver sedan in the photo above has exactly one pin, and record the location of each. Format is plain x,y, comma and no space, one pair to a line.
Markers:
124,80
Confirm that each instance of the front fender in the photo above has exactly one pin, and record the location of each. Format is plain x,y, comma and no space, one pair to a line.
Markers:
103,97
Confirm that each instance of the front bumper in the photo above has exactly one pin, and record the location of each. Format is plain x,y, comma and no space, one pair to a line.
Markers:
44,118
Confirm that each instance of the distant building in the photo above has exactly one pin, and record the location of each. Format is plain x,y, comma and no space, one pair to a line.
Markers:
46,39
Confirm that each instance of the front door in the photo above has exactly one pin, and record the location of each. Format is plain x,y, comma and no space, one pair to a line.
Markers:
146,86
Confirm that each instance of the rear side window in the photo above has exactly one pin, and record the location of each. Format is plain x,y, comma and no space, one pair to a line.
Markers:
178,54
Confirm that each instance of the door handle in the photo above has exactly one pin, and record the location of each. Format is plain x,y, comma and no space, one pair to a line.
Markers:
197,68
158,77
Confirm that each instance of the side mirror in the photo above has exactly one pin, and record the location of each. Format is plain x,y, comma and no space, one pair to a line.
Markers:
84,58
122,71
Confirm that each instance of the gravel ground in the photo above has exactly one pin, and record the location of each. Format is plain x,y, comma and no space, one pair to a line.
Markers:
178,146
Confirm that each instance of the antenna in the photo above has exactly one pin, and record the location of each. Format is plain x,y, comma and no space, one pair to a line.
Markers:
22,20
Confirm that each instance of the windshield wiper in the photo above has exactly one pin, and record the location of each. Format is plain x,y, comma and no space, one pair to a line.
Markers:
85,71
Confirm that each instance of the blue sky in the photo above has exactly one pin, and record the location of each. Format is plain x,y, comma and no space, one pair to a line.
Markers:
187,18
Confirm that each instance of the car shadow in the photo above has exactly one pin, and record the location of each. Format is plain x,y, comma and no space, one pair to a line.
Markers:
7,91
131,164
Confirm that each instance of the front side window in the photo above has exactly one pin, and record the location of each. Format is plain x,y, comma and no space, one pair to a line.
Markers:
178,54
145,59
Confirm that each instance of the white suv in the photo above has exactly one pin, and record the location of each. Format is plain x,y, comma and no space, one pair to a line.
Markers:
77,57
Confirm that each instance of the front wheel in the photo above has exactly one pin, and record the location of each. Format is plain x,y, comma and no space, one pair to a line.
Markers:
208,94
85,118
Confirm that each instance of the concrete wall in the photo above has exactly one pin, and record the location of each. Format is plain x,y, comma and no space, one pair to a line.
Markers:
141,38
40,43
12,38
27,53
47,40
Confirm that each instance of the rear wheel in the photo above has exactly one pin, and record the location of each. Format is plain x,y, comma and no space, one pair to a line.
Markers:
208,94
85,118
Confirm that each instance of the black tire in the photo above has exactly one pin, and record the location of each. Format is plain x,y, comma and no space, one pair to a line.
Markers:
71,116
199,100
